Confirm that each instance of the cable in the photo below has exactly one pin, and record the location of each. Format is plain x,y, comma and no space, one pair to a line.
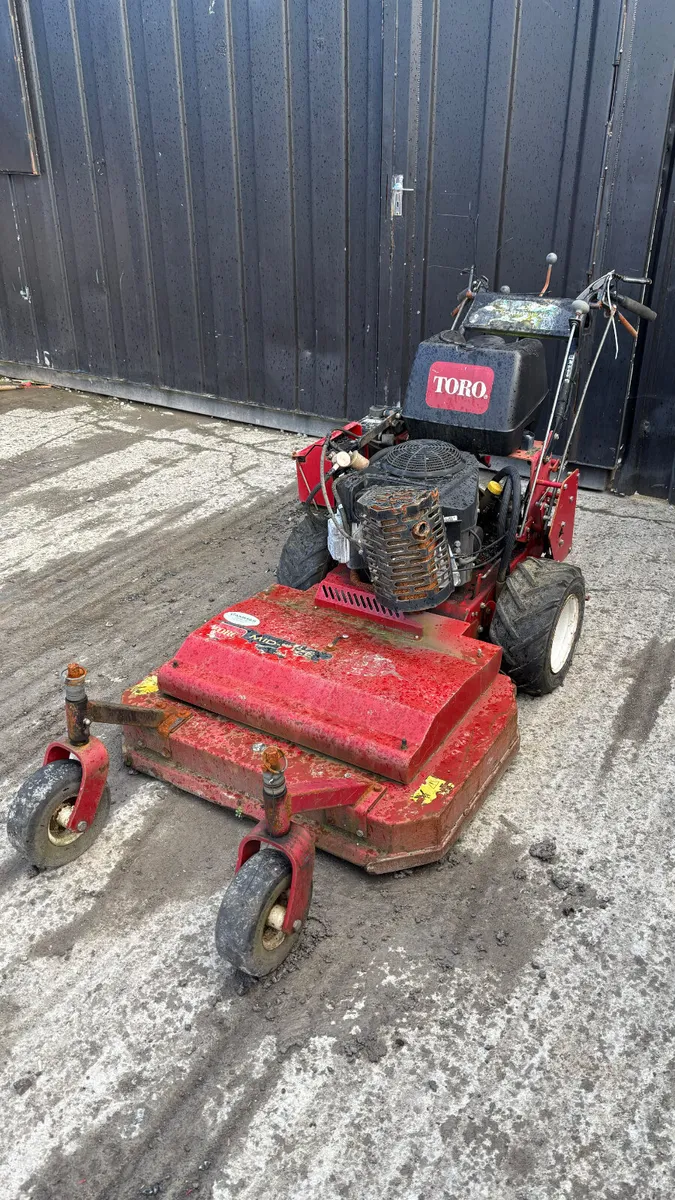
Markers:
310,495
580,405
545,444
512,520
322,481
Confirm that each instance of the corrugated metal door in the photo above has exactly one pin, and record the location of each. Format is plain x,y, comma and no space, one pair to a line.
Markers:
521,127
208,218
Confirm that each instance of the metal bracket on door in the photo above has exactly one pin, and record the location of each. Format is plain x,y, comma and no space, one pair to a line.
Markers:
397,190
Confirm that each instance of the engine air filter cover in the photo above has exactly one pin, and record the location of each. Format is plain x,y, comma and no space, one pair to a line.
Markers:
426,463
405,546
426,460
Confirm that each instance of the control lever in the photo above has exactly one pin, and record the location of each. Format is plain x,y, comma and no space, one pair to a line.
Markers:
551,259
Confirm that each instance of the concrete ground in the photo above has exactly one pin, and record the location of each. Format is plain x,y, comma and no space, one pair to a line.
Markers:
495,1028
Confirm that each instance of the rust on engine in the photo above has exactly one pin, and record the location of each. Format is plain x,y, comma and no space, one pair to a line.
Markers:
405,545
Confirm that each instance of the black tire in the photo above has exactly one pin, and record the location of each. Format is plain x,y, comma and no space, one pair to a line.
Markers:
526,620
243,936
32,825
304,559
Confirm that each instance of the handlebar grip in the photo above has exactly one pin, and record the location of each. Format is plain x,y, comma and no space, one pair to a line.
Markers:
634,306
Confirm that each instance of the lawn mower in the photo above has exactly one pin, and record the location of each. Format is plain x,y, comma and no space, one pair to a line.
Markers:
365,703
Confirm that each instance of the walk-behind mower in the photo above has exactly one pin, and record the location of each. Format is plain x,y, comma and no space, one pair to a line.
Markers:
358,705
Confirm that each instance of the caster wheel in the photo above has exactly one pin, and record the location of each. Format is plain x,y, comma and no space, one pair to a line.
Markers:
36,824
248,929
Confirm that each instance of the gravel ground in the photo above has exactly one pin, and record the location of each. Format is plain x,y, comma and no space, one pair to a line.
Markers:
498,1027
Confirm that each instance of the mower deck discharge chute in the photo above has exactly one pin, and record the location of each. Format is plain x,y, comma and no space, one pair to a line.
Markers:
359,705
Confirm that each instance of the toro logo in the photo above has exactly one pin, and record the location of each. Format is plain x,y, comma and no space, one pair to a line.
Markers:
461,387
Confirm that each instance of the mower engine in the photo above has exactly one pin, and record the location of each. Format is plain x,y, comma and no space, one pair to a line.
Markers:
408,519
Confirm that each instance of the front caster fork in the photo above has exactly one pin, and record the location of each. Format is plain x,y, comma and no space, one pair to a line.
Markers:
266,905
60,810
87,749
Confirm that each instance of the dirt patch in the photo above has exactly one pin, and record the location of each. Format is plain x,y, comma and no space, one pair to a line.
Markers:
463,915
183,849
11,872
651,670
451,1031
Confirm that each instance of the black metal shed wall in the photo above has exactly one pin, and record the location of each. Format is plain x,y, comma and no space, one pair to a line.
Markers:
208,216
212,228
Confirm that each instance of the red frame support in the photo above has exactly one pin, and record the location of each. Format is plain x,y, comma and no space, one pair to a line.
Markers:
297,841
94,760
307,467
561,531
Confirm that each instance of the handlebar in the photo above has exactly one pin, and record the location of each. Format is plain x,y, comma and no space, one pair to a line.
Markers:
602,292
634,306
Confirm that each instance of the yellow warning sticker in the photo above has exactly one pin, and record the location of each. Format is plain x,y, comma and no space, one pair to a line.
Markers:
429,790
146,686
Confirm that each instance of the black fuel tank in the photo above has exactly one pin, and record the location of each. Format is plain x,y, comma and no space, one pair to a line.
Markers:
479,394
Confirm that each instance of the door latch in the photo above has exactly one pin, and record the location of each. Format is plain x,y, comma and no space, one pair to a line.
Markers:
397,190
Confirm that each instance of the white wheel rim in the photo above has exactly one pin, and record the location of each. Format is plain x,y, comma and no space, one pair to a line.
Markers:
564,634
57,830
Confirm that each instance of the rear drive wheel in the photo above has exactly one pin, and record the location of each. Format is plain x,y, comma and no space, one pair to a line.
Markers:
537,622
304,559
39,813
248,929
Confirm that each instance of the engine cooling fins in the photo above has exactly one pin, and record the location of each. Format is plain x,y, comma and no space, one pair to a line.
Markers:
405,547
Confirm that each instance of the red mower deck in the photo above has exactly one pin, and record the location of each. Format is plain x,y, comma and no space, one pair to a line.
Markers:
392,737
